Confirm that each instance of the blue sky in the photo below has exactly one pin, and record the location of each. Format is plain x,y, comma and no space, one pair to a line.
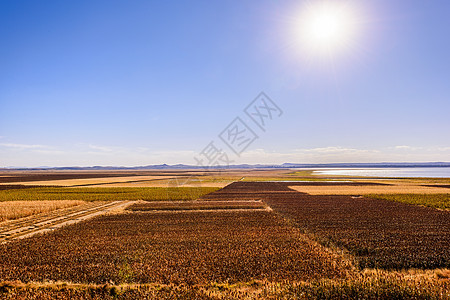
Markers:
148,82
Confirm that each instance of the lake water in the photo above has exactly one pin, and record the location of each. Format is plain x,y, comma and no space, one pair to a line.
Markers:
438,172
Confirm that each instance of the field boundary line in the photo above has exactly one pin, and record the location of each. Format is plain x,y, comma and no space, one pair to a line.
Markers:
167,211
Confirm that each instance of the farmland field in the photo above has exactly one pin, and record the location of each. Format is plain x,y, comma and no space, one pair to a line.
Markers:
378,233
385,188
105,193
262,236
10,210
189,248
441,201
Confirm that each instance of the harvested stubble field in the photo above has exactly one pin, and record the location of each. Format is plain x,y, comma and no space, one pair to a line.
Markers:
379,233
177,248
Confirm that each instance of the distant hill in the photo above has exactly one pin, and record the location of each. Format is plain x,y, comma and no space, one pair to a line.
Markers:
248,166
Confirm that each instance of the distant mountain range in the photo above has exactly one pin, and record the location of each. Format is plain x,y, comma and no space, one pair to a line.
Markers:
249,166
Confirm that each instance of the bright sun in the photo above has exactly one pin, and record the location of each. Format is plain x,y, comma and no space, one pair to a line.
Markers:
327,27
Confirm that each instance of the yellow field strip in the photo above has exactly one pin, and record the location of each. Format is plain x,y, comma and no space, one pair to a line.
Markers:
374,189
12,210
167,183
44,224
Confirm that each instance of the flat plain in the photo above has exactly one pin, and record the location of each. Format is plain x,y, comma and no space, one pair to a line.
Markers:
253,234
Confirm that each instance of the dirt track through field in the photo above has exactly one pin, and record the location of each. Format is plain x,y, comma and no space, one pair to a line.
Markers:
25,227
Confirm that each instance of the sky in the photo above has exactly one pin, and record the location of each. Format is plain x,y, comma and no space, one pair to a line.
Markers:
132,83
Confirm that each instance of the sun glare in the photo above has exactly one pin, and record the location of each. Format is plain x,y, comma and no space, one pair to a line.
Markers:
327,27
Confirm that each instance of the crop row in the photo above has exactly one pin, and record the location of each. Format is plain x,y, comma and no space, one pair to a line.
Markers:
379,233
174,248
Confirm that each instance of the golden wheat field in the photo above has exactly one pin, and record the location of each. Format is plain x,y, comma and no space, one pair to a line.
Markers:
10,210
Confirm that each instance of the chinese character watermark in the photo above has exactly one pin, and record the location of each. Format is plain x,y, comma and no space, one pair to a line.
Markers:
237,136
262,110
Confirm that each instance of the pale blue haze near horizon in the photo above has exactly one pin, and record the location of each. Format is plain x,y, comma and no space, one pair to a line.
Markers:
146,82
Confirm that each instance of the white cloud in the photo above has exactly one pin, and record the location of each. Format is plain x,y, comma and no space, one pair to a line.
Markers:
23,146
49,152
408,148
334,150
101,148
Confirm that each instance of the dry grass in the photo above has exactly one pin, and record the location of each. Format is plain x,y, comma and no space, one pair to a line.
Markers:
371,284
11,210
